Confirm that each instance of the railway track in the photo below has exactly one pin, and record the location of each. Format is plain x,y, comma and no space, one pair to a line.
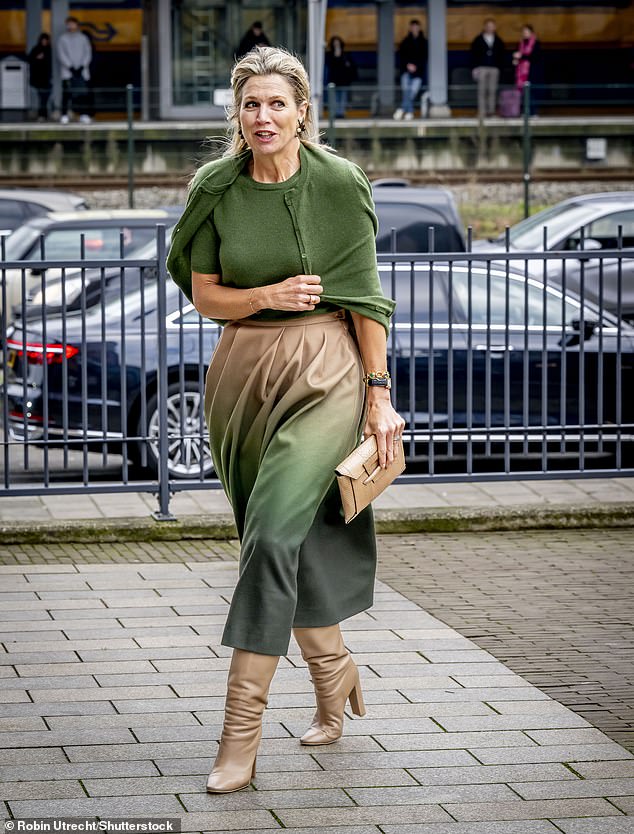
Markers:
108,182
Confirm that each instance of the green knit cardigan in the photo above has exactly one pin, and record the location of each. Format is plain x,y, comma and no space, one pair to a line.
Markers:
332,213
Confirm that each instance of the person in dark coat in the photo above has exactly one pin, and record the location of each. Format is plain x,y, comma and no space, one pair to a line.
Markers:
487,62
340,70
41,68
252,37
412,59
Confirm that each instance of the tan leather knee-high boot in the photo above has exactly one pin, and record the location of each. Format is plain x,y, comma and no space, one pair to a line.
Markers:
335,677
250,676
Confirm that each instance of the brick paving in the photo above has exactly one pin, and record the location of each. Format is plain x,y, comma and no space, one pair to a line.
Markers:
555,606
113,682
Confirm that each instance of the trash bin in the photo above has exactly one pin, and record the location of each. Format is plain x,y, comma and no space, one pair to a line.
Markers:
14,88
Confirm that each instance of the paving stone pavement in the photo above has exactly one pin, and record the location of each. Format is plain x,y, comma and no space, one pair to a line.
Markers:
113,682
555,606
571,492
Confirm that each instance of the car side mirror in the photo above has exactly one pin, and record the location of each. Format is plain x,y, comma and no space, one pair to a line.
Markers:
589,244
149,273
589,328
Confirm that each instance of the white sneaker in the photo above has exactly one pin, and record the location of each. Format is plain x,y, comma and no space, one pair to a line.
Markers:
409,117
398,114
64,120
85,119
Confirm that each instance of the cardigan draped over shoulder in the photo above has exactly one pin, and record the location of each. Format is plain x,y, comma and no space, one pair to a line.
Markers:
332,214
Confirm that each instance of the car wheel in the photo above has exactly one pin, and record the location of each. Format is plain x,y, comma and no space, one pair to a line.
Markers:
188,452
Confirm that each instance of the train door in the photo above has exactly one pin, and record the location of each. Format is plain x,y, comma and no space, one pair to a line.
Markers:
196,41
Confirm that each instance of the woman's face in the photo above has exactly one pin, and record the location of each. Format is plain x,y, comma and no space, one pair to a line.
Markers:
526,33
269,115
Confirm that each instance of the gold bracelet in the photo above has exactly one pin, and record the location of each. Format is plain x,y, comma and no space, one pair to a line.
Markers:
253,289
377,375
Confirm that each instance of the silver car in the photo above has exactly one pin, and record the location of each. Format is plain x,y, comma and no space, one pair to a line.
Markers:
18,205
589,222
58,237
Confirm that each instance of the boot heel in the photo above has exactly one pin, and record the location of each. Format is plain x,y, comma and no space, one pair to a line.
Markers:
356,700
253,768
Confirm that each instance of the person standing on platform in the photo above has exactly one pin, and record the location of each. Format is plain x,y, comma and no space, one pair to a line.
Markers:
527,62
74,52
41,69
341,71
254,36
487,62
412,59
526,56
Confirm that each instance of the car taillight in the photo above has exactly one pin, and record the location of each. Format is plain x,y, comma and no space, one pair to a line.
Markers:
38,354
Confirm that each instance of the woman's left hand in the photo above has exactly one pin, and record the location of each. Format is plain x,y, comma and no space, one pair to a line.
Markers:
383,421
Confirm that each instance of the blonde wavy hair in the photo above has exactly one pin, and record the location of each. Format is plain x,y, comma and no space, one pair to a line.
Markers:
268,60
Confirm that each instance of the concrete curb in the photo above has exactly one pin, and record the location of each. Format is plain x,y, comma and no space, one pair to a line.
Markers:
221,525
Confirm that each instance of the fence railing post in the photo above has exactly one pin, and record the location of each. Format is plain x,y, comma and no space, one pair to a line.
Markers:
163,513
129,98
526,147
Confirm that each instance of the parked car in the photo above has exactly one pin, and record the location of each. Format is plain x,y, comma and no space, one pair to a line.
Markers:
58,236
409,211
489,363
412,211
589,222
18,205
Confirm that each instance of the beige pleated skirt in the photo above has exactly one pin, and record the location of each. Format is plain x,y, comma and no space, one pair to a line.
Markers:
284,403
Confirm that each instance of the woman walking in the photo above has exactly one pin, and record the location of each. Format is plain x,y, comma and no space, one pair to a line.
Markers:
277,244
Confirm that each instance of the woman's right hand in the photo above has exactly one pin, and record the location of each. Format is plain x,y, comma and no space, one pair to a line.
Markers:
300,292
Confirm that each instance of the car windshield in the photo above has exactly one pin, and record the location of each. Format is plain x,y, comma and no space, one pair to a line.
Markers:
148,250
62,244
412,225
99,242
16,244
528,234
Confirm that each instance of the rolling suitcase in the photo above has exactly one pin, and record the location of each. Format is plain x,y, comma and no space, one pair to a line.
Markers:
510,103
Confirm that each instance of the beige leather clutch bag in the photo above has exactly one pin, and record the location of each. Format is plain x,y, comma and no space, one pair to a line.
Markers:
361,479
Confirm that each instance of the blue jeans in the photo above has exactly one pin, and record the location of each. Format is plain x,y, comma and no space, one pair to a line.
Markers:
341,102
410,88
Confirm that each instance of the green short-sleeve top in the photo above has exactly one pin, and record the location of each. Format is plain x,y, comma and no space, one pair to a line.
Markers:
320,221
249,239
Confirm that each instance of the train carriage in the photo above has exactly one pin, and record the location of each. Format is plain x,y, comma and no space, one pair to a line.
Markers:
583,43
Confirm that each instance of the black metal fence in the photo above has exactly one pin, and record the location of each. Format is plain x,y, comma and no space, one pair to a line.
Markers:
505,364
